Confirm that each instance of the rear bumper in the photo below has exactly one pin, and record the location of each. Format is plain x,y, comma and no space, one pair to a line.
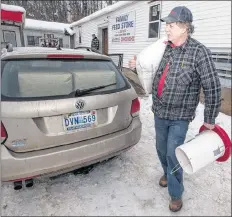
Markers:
66,158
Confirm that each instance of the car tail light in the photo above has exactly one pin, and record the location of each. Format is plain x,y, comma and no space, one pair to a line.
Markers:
135,107
74,56
3,134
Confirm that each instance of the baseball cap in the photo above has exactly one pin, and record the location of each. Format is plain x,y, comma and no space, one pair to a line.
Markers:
179,14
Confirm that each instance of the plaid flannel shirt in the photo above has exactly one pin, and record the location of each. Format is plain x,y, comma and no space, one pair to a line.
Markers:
190,67
95,43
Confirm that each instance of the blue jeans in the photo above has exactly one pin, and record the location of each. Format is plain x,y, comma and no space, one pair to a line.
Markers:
169,135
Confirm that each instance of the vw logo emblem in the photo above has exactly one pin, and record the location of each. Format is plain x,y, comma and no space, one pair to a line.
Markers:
80,104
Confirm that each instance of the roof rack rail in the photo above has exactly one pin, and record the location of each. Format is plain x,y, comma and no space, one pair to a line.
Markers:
9,47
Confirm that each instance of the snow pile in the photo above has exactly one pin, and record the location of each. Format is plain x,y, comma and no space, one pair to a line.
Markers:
128,184
47,26
12,8
15,9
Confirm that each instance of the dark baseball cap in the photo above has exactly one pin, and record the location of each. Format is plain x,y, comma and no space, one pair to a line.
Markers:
179,14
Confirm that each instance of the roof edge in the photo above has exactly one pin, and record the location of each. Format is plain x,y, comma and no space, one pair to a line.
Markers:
101,12
32,24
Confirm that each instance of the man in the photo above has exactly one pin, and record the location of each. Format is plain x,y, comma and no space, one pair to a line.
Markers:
95,42
186,66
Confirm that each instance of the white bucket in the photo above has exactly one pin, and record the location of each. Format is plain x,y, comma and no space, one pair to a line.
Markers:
205,148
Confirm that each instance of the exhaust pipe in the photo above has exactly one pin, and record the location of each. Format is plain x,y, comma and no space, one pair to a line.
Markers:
18,185
29,183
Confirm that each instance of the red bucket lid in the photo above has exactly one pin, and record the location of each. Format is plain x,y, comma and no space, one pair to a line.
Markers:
225,138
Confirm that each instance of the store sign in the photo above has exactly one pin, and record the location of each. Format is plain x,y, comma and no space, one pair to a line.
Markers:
123,28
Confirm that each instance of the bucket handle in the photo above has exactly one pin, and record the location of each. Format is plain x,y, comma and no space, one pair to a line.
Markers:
175,168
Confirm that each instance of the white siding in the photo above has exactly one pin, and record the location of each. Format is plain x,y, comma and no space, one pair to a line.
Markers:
141,32
212,21
89,28
28,32
128,49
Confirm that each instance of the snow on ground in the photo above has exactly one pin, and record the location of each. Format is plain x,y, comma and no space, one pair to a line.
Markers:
128,184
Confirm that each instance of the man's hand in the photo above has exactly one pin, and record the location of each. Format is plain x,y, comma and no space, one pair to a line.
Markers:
132,63
209,126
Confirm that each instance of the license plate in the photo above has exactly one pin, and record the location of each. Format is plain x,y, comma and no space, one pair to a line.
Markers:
80,120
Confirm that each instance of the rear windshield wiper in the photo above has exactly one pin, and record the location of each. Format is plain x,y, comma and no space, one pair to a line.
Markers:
79,92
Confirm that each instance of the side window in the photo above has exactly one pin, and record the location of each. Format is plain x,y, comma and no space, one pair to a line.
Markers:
31,40
10,37
154,21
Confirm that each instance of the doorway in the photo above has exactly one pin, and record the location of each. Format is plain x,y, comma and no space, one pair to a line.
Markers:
105,41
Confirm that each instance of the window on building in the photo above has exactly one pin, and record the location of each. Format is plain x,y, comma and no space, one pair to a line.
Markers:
79,34
154,21
31,40
10,37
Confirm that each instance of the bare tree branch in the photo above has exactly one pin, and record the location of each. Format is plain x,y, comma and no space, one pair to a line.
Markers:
59,10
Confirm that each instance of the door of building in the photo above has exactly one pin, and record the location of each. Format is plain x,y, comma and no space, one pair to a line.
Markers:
105,41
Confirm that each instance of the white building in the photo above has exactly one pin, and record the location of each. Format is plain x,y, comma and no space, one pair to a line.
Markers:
129,26
36,30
